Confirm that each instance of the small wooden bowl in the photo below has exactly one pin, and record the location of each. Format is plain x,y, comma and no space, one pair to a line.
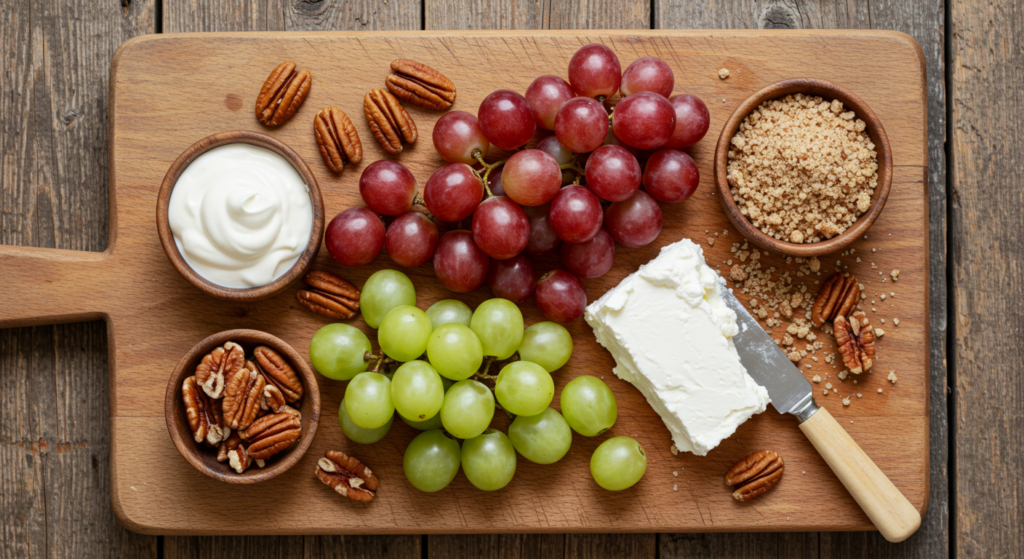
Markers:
829,91
163,226
203,457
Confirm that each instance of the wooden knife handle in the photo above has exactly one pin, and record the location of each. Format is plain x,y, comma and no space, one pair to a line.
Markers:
887,508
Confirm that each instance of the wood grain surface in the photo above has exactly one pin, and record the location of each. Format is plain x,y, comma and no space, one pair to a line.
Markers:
155,319
33,187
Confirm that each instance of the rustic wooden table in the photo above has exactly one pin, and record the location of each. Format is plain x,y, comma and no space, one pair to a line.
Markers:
54,429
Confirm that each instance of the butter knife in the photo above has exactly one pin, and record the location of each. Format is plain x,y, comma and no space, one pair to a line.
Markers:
791,393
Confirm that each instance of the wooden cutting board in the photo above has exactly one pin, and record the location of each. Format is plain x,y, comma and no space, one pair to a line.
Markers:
167,91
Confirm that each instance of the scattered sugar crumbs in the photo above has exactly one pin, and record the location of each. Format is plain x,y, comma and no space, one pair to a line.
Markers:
802,169
723,73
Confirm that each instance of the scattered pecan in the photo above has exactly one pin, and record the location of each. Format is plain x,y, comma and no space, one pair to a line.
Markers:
242,394
388,120
282,94
217,366
203,414
226,446
856,341
328,295
279,373
419,84
347,476
271,434
755,474
273,399
337,138
837,297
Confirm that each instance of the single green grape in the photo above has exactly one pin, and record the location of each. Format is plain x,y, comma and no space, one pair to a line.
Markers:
338,350
431,461
499,325
618,463
455,351
543,438
426,424
547,344
404,333
356,433
368,400
489,460
448,311
589,406
524,388
383,291
417,391
468,408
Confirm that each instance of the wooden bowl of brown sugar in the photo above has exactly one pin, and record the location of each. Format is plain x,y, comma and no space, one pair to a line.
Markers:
874,131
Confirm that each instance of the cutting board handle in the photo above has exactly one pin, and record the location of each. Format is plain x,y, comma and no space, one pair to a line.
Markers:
887,508
50,286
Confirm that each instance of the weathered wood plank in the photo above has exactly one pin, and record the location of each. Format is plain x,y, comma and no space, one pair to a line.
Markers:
546,14
986,66
278,15
54,398
924,22
746,546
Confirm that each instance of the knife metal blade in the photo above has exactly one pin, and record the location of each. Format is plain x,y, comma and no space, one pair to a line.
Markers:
769,366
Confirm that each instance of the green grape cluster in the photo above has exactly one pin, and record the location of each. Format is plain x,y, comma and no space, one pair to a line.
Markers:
432,368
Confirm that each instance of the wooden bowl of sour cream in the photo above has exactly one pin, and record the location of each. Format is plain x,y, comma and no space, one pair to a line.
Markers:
228,238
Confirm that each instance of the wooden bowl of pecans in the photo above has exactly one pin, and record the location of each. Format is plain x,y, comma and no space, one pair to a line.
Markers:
760,158
242,406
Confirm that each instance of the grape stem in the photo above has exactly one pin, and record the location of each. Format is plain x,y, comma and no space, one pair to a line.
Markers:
573,167
482,373
487,173
381,359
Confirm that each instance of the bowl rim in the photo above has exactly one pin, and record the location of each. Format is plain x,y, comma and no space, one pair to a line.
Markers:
184,441
163,226
874,129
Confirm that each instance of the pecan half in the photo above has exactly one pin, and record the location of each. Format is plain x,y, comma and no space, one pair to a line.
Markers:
221,363
328,295
347,476
419,84
279,373
227,446
837,297
337,138
271,434
282,94
755,474
388,120
242,394
856,341
273,399
203,414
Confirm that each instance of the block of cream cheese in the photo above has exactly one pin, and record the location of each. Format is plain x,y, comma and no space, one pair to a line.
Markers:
671,336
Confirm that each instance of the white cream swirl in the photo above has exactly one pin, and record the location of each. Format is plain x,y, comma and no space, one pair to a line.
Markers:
241,215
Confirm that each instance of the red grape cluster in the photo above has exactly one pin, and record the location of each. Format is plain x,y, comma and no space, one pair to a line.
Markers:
579,188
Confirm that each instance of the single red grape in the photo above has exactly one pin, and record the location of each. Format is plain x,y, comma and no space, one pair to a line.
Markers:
546,95
560,296
453,192
594,71
355,236
671,176
613,173
576,214
644,120
590,259
387,187
459,263
506,119
457,136
500,228
581,124
692,121
411,239
531,177
635,222
649,73
512,279
542,236
562,155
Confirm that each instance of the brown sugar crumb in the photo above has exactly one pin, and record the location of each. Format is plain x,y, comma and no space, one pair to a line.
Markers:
723,73
802,169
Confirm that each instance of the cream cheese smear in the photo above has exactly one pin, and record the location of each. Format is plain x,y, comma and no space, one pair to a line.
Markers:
671,336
